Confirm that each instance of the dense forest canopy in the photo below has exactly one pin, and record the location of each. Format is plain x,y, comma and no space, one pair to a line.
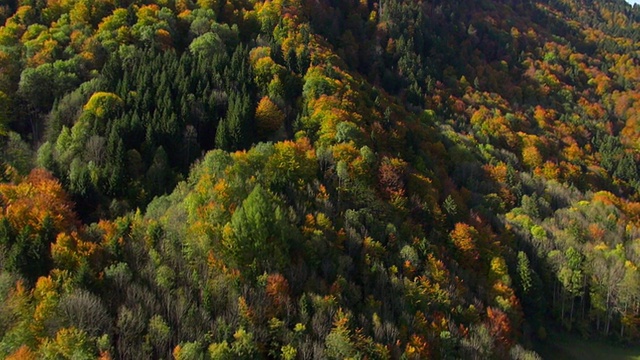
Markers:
317,179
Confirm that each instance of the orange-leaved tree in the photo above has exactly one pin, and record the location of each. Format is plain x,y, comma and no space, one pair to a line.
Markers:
32,213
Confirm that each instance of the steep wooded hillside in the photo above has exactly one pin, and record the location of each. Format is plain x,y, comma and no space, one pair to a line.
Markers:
317,179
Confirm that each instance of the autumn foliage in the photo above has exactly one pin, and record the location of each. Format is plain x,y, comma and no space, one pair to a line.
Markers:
37,198
316,179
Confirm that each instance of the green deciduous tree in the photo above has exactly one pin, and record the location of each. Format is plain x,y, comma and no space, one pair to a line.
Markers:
256,237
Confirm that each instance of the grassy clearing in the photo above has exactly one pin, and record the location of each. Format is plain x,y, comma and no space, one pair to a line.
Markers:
572,347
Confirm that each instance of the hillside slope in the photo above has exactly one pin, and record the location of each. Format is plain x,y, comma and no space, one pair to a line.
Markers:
317,179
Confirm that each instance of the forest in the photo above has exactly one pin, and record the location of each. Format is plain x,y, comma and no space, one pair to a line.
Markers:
326,179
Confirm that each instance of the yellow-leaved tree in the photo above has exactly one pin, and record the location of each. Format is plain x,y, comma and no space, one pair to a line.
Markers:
269,117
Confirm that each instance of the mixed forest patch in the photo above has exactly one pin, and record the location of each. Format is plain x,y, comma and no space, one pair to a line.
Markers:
317,179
